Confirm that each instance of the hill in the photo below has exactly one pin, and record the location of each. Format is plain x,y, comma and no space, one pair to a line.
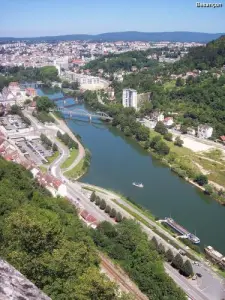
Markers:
209,56
176,36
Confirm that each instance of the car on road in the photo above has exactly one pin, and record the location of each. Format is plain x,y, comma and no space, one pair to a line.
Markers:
199,275
78,199
196,263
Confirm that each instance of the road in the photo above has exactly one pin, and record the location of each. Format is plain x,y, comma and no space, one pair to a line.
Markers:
210,286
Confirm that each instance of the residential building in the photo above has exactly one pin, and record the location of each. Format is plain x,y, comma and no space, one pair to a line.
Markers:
205,131
129,98
191,131
157,116
168,121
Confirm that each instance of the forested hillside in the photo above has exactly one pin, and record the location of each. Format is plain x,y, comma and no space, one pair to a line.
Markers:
44,239
205,57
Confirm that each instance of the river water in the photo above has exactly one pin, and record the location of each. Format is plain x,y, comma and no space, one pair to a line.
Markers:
118,161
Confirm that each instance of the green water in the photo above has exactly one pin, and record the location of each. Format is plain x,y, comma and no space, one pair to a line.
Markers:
118,161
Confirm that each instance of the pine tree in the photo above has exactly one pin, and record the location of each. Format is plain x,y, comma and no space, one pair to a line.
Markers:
169,255
187,269
97,201
155,242
178,262
108,209
93,197
113,213
161,249
119,217
102,204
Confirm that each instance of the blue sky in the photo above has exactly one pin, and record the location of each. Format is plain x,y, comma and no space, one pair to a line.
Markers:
23,18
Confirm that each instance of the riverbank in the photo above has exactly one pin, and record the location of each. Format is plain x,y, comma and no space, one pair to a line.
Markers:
181,160
146,218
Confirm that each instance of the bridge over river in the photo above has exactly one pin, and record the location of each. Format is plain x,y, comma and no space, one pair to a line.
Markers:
83,113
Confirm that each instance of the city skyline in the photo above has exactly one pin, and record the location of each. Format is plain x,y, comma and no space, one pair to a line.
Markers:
46,18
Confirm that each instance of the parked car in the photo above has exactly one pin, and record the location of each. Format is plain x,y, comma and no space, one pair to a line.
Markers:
199,275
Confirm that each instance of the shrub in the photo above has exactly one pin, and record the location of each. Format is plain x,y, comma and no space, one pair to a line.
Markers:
113,213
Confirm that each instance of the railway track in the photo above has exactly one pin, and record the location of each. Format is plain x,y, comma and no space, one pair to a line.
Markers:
121,278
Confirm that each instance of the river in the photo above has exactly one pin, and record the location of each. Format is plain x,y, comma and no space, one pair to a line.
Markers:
118,161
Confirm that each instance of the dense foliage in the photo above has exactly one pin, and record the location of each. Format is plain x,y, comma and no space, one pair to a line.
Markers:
67,140
126,243
205,57
44,239
21,74
125,61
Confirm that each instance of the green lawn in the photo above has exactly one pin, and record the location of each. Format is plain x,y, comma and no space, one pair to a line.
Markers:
76,171
53,157
67,163
43,169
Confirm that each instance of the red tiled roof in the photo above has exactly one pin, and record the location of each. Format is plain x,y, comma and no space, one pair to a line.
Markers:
222,138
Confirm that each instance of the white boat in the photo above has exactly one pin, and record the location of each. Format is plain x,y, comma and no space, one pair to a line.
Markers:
140,185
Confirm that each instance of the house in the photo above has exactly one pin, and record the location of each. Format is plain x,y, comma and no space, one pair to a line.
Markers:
88,218
157,116
55,186
31,92
14,87
191,131
168,121
204,131
222,138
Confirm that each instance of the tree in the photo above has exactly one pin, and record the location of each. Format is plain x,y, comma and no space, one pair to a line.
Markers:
107,229
65,84
93,197
147,145
178,262
93,285
44,103
155,242
49,73
201,179
102,204
74,85
15,109
127,131
178,142
162,148
54,147
97,201
113,213
119,217
208,189
179,81
161,128
154,141
142,133
168,136
169,255
187,269
161,249
183,129
108,209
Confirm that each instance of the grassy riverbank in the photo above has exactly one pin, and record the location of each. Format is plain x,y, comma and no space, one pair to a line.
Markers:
73,155
81,168
53,157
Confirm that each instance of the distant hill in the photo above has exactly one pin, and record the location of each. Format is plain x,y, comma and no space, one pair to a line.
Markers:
177,36
209,56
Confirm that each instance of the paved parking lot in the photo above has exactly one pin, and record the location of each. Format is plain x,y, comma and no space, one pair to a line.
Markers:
34,149
13,122
210,286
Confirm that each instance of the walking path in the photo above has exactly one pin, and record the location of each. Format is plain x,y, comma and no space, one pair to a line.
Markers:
81,150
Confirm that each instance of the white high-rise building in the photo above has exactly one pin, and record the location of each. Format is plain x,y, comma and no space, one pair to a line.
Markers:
130,98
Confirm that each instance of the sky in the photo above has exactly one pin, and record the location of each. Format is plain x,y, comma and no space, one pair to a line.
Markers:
31,18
